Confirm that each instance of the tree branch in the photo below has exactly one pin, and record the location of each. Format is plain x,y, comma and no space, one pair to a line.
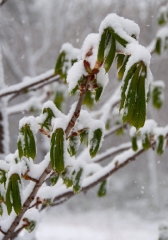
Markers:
37,87
23,86
31,197
114,130
2,2
78,109
27,203
93,181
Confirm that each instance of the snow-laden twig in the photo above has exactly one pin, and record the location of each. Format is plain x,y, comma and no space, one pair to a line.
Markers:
117,163
2,2
115,129
33,102
112,151
27,83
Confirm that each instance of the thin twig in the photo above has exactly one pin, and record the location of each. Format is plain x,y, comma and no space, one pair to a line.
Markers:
21,87
114,130
18,231
77,110
39,85
2,2
111,152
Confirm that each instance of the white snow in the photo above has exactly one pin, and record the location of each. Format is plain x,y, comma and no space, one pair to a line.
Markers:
102,77
31,121
28,81
113,150
100,224
34,102
71,53
90,45
59,123
14,169
138,53
158,83
148,127
163,34
86,121
163,10
125,28
75,73
36,170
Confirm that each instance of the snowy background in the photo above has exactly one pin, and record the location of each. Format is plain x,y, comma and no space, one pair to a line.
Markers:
32,33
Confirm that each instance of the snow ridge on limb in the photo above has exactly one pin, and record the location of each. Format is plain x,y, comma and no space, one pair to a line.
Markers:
88,76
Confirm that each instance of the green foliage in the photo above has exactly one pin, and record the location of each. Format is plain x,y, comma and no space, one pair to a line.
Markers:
102,45
134,143
158,47
73,144
125,84
65,60
57,150
160,145
161,19
77,180
99,91
102,189
54,178
67,177
163,15
1,209
79,84
26,142
2,177
134,103
95,142
157,99
30,225
59,65
49,115
59,99
111,54
109,37
146,141
121,64
13,198
84,134
89,99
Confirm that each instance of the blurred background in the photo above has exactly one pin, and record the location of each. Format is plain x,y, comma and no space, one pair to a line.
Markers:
31,34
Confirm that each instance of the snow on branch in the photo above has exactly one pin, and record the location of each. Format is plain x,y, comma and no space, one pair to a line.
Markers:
2,2
27,83
86,73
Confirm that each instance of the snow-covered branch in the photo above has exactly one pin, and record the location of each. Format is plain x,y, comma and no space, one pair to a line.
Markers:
28,83
2,2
